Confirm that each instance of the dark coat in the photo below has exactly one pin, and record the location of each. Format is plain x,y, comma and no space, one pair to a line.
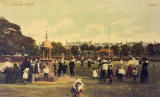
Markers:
110,74
36,69
64,68
144,72
71,65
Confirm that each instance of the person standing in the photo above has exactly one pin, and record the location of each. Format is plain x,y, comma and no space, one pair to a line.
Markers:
64,68
25,75
36,69
30,70
7,69
135,73
144,71
95,74
110,73
89,63
60,68
71,67
121,73
100,66
82,61
104,69
15,73
130,64
55,66
46,71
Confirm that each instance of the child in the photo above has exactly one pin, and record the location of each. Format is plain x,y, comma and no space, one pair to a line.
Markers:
46,71
95,74
135,73
25,75
78,88
121,73
110,73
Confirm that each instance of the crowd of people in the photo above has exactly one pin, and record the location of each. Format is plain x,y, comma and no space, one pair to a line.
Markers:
29,69
26,72
132,72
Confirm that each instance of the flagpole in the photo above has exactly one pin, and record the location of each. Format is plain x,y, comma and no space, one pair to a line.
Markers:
109,39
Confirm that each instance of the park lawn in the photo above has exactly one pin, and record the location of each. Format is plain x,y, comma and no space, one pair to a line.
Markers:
94,88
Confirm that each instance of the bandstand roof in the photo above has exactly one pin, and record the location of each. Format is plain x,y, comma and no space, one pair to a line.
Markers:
46,44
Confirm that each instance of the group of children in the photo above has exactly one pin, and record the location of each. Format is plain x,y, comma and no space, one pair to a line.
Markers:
26,71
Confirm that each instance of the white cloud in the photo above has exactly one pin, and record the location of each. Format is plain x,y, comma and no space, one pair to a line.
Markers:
62,23
123,21
37,28
100,27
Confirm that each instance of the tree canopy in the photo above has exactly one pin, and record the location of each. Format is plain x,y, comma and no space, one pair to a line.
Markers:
12,40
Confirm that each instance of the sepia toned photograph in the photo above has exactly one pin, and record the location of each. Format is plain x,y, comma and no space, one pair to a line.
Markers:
79,48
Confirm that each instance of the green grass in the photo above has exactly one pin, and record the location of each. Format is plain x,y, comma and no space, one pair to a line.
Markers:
94,88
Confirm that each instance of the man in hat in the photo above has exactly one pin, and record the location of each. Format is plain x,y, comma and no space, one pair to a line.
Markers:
144,71
7,69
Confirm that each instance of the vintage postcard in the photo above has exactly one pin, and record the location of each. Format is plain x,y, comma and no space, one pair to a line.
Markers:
79,48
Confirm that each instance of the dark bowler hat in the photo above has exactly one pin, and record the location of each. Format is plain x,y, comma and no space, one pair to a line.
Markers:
144,59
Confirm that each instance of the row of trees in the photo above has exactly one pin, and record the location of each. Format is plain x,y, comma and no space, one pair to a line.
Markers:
12,41
136,49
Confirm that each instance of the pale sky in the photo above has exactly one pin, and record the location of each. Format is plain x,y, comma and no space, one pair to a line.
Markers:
85,20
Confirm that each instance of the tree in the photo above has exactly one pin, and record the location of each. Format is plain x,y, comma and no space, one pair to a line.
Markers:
74,50
125,50
84,47
99,47
150,49
137,49
92,47
116,49
12,41
157,49
106,46
58,48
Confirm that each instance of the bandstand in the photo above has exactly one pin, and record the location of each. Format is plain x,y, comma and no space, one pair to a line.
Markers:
46,56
